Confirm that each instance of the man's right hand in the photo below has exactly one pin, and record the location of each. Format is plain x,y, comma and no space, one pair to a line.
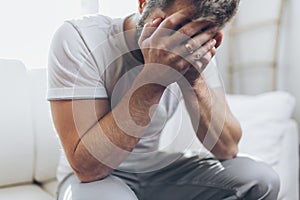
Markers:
169,53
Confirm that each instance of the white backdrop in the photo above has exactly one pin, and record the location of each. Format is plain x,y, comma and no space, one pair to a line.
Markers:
28,26
117,8
289,67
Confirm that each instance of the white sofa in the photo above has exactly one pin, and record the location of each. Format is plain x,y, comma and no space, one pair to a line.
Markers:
29,147
30,150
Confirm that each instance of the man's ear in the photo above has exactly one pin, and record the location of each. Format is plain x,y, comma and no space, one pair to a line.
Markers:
218,37
142,4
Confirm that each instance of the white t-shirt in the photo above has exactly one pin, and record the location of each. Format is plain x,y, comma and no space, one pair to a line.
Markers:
89,59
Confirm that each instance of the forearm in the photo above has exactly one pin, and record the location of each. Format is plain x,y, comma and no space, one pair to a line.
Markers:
214,124
108,143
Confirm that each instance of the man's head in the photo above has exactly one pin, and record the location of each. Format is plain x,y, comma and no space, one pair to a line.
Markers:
219,12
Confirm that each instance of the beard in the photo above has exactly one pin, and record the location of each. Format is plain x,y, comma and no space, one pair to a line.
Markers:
138,33
140,25
139,29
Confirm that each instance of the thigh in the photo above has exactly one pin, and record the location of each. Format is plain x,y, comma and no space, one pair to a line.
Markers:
110,188
195,178
188,178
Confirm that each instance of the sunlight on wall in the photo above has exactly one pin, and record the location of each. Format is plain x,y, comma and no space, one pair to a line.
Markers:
27,27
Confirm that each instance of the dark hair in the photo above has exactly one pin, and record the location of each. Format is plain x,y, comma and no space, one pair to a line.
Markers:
217,11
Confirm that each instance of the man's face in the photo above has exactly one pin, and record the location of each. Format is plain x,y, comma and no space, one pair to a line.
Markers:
218,11
157,12
177,6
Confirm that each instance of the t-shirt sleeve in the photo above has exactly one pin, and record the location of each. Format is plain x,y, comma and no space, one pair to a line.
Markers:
72,71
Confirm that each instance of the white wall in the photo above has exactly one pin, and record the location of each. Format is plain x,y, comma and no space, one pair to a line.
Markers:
289,69
118,9
292,52
27,27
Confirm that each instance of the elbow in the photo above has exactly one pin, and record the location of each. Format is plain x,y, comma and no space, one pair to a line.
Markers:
87,177
226,153
228,149
91,172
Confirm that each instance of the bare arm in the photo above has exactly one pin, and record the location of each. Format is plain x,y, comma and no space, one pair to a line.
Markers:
213,122
94,142
97,139
215,125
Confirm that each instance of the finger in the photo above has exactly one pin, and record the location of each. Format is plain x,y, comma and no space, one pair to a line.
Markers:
183,53
206,59
186,32
200,64
203,39
174,21
174,56
200,52
194,59
183,66
194,43
148,29
213,51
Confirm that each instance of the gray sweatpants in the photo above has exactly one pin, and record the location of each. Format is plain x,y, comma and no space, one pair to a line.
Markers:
185,179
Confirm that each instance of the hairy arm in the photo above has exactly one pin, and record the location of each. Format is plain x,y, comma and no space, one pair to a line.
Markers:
97,139
215,125
93,137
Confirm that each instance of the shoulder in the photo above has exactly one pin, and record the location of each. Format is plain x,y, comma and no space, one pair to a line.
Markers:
71,63
87,29
88,21
77,38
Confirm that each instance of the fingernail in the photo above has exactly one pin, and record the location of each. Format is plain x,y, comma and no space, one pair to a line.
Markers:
213,42
157,20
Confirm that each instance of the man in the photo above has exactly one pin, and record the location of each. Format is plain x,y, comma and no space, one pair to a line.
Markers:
114,83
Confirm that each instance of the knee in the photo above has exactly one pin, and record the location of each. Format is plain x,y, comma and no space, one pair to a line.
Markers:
267,184
109,188
263,182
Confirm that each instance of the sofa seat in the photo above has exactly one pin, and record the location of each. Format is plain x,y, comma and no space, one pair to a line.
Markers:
50,187
24,192
29,145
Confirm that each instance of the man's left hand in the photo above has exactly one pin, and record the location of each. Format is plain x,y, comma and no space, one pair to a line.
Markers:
194,72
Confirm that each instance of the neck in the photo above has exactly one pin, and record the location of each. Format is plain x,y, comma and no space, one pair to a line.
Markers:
130,36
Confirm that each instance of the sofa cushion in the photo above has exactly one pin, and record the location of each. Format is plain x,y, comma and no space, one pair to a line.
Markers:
278,105
25,192
263,140
17,140
46,140
288,167
50,187
264,120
